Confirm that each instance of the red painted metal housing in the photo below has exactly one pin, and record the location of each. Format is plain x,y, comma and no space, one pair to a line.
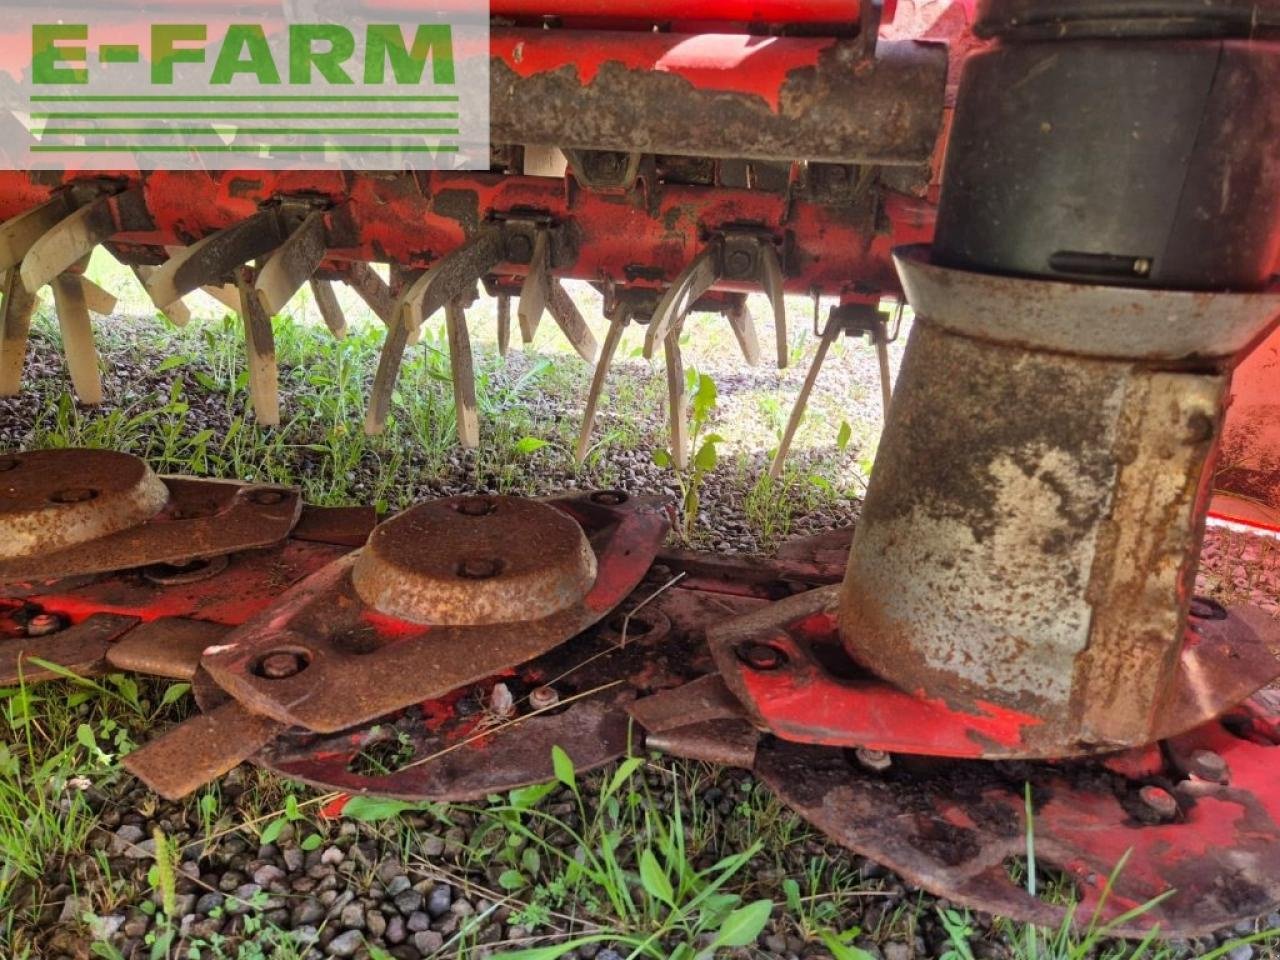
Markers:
413,221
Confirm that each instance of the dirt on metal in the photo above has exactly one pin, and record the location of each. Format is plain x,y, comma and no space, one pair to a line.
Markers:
471,561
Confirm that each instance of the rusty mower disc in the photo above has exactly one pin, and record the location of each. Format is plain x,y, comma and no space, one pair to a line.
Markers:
467,561
459,748
51,500
358,661
1208,847
790,671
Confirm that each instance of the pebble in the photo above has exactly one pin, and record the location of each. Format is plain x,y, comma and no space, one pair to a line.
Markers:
408,901
428,942
293,859
332,856
208,903
418,921
104,928
395,932
346,943
352,916
267,874
307,913
439,901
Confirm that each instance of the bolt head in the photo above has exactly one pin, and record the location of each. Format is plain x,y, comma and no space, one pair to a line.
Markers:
1159,801
74,495
44,624
479,568
519,248
876,760
281,665
1208,765
476,506
542,698
738,263
761,656
267,498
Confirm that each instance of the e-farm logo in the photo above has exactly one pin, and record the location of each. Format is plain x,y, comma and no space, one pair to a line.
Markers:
249,86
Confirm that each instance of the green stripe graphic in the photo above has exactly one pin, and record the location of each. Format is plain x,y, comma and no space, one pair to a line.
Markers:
241,99
267,131
243,116
264,148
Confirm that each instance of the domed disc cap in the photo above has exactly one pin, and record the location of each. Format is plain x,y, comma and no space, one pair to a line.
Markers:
55,499
474,561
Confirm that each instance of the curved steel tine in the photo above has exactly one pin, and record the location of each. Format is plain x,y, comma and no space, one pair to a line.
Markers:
327,303
771,279
829,336
77,338
452,277
373,290
536,289
99,301
179,313
695,280
260,350
738,313
18,234
677,398
15,325
75,236
292,264
504,324
384,381
569,319
464,378
209,261
617,326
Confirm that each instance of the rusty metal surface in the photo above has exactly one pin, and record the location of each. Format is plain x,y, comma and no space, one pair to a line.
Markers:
80,648
787,665
731,743
1085,319
780,98
1029,533
355,664
52,500
350,526
455,748
703,700
955,827
753,576
202,518
198,750
474,560
248,582
168,647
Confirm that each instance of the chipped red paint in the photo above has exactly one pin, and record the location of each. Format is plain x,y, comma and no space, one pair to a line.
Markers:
754,12
251,582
